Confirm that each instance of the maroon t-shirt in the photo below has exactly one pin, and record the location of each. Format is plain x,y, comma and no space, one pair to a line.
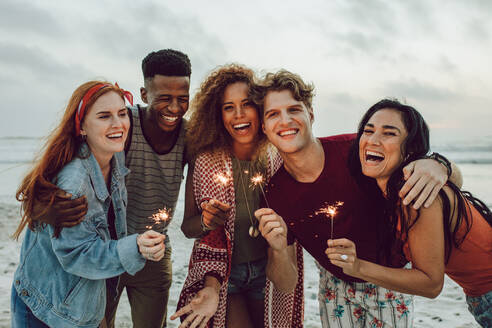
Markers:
297,203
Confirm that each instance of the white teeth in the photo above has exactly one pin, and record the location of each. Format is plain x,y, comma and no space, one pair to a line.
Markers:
287,133
375,154
116,135
169,118
241,125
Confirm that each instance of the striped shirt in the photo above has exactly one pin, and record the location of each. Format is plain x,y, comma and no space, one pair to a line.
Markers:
154,181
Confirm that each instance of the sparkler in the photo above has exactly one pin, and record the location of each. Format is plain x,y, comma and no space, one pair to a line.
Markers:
329,211
258,180
159,217
222,179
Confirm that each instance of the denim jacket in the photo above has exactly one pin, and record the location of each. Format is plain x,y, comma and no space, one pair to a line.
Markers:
62,280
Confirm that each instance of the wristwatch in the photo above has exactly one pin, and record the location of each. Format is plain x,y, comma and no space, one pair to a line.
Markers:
442,160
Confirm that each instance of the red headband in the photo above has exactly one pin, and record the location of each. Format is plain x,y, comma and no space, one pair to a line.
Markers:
79,116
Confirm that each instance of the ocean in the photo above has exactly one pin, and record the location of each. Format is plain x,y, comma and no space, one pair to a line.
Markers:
473,157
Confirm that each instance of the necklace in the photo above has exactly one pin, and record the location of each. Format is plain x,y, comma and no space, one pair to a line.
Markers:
253,228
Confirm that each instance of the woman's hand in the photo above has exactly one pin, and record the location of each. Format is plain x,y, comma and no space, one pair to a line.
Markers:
201,308
151,245
214,213
342,253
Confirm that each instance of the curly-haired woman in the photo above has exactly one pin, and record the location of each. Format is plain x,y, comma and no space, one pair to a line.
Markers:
231,265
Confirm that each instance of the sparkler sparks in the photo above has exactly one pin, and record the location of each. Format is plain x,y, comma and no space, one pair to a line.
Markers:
222,178
330,211
159,217
259,180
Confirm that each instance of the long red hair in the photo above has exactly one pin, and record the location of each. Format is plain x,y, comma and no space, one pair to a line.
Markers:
61,147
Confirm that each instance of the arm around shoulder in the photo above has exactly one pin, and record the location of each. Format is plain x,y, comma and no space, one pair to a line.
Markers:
82,251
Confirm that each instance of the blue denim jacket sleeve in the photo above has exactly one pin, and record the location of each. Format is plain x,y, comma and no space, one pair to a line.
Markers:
80,249
82,252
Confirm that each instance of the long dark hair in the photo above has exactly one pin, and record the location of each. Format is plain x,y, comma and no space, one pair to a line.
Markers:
415,146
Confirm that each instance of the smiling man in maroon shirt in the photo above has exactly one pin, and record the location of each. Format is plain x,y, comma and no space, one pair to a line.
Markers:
315,175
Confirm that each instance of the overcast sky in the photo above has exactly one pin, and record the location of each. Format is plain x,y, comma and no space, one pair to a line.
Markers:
435,55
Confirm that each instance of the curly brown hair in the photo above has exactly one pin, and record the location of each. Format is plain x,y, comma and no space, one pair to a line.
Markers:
283,80
206,131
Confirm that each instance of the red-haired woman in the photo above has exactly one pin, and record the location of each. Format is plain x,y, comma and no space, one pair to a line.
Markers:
61,278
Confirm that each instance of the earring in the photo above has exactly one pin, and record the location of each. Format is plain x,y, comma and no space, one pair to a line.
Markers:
83,137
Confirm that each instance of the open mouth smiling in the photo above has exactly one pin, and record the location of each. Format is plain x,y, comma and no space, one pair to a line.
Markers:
115,135
170,119
289,132
372,156
241,126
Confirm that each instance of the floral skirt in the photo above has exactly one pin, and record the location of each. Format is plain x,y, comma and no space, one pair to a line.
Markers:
345,304
481,308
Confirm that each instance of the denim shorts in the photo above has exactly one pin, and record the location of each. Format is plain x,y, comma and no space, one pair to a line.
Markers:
481,308
249,279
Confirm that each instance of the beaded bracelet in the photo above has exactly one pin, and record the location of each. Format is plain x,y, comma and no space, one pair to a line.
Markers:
442,160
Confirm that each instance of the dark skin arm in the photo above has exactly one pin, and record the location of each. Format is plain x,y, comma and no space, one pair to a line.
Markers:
214,212
63,213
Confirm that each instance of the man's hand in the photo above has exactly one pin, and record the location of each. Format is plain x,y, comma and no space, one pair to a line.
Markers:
272,228
214,213
151,245
424,178
201,308
64,213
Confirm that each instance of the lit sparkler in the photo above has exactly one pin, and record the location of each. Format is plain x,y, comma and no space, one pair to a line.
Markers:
330,211
223,179
159,217
259,180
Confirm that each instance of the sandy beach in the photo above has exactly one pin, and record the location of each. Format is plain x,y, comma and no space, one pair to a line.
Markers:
448,310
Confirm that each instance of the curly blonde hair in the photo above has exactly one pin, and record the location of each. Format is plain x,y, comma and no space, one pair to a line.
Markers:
205,130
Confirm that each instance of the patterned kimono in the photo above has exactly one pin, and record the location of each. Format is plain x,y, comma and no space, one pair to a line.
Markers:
213,252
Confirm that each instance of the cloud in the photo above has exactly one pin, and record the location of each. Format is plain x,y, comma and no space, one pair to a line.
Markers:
445,64
26,62
24,17
418,90
134,30
478,29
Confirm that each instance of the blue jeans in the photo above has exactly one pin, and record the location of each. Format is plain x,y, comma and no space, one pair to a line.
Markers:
248,279
481,308
21,315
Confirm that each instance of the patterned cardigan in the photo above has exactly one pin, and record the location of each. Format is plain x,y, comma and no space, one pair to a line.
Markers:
213,252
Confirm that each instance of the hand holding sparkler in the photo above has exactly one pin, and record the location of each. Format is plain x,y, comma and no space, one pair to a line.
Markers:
214,213
151,245
272,228
342,253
